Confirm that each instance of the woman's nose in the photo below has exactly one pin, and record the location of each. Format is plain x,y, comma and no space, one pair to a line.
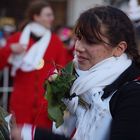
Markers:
79,47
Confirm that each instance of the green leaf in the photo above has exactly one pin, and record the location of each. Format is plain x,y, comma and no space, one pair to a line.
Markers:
69,68
56,114
48,91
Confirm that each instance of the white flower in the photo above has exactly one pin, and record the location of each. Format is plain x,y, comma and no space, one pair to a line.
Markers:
53,76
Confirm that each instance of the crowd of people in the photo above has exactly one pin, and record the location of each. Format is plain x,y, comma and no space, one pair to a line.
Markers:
107,69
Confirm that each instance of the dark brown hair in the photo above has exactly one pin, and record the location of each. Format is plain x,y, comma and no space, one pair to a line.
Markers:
109,22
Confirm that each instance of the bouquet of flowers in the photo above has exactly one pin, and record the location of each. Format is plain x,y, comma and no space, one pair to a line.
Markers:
57,88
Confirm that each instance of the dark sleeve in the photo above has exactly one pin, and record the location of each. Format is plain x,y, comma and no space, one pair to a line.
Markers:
126,114
43,134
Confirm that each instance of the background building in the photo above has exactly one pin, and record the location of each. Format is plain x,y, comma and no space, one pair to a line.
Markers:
75,7
66,11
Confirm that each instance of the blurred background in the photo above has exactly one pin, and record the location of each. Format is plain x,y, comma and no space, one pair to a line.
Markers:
66,12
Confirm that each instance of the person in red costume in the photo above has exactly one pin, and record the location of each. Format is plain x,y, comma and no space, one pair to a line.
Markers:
32,53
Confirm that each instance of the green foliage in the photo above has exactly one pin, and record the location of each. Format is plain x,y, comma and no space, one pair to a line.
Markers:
56,91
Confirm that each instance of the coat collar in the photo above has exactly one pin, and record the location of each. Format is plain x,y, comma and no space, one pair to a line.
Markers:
130,74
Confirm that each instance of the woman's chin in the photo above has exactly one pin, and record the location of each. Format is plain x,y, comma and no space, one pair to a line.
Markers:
83,67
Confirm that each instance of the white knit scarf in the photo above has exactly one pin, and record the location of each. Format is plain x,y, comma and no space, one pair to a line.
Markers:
99,76
29,60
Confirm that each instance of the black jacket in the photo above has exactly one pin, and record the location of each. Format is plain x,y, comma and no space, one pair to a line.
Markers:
125,105
124,108
42,134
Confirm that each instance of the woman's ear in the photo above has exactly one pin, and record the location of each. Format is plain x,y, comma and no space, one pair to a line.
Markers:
120,49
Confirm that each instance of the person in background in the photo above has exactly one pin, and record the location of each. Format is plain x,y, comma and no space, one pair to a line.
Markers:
66,35
31,54
7,28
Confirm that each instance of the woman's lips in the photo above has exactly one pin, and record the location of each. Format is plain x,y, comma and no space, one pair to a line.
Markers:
81,58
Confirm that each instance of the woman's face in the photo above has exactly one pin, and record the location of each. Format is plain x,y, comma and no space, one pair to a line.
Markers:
90,54
45,18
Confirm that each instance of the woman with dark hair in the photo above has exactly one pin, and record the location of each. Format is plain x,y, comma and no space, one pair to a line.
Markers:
32,53
108,67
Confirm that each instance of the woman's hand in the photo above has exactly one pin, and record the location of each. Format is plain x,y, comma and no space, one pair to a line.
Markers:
17,48
15,130
16,133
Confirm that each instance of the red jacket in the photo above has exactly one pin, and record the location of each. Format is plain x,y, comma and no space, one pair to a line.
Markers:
27,100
